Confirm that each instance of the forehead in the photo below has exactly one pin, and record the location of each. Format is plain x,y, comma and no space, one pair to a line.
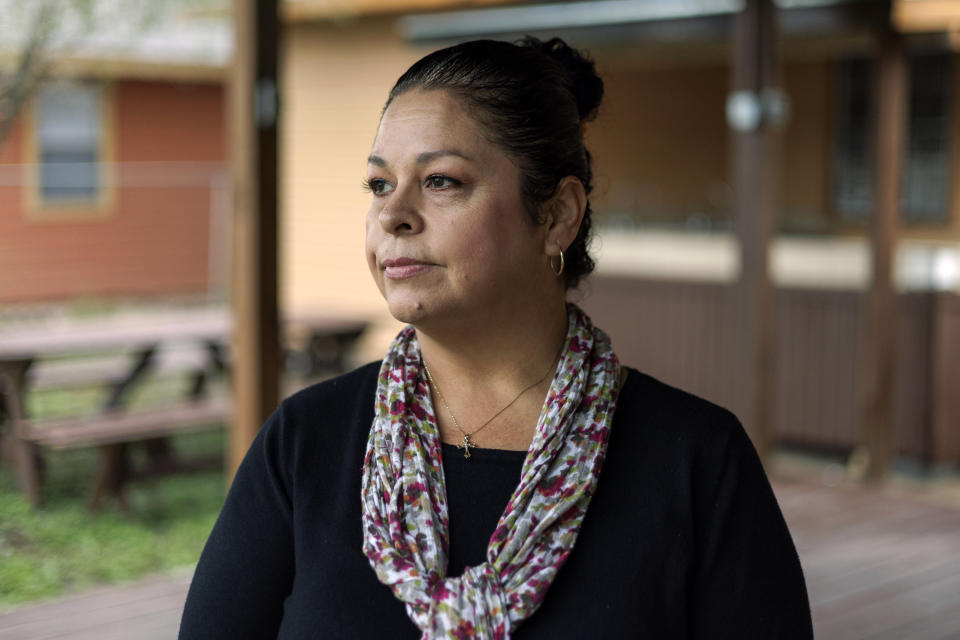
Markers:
418,121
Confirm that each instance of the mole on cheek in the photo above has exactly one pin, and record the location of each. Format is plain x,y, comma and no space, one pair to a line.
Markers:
419,306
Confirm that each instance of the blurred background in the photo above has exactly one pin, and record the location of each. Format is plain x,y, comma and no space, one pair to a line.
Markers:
777,229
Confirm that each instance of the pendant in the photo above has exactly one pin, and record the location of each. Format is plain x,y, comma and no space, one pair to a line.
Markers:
465,445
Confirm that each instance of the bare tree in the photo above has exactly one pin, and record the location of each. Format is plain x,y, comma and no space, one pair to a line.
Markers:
19,80
34,34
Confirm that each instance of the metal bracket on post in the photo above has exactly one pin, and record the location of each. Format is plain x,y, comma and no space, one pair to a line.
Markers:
747,110
265,103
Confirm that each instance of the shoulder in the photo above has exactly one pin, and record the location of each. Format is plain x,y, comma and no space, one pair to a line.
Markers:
323,422
335,395
675,434
673,412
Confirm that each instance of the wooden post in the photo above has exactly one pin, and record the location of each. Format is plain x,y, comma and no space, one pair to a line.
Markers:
254,113
889,99
755,110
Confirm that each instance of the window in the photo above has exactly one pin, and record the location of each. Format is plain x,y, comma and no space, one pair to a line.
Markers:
69,143
853,196
924,186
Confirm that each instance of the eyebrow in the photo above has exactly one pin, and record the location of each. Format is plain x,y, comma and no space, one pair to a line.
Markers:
423,158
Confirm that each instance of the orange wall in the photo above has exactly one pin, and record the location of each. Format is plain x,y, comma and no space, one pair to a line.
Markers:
678,159
147,239
660,140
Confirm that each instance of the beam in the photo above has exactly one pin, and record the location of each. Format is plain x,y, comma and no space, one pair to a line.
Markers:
309,10
547,17
889,104
253,121
755,111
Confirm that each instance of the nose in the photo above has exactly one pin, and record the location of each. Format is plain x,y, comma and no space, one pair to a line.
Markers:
400,215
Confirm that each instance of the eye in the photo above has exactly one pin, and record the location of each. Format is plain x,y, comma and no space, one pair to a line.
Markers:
377,186
440,182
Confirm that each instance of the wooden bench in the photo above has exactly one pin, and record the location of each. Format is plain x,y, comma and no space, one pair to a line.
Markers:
113,431
111,427
115,426
115,354
129,350
111,369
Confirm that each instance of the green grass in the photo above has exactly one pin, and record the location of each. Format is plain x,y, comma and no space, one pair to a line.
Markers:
65,547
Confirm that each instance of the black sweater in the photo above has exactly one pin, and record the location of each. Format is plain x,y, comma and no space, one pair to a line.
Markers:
683,538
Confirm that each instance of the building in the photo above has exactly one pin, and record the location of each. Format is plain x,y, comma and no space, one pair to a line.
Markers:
112,177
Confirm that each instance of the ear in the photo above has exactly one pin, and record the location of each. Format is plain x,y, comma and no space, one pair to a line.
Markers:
564,214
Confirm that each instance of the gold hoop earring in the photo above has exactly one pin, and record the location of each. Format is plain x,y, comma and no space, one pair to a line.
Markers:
558,272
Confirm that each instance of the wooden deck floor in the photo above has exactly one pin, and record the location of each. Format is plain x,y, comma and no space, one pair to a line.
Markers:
145,610
878,566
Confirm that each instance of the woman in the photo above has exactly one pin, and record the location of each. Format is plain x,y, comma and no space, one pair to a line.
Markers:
455,489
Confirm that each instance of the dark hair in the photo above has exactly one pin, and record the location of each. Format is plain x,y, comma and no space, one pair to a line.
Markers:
532,99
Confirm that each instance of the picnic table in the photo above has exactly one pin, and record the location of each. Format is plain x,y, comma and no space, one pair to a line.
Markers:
137,337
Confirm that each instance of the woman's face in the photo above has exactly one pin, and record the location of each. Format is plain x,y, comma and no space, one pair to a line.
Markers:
447,233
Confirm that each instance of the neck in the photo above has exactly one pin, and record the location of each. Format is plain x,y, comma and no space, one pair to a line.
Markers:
498,353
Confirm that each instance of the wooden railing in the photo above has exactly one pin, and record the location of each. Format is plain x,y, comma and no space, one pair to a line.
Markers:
683,334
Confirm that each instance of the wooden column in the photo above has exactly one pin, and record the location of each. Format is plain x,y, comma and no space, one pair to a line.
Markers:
755,112
889,100
254,113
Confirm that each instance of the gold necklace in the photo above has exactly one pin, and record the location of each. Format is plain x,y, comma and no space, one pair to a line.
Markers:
467,443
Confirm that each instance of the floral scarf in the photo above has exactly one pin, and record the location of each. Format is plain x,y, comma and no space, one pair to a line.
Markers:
405,525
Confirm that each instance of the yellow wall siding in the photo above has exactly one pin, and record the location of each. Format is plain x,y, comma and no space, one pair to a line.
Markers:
336,79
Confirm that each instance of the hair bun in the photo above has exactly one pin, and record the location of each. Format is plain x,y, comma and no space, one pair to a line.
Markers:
581,73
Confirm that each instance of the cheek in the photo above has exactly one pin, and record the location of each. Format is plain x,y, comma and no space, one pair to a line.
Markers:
371,235
476,246
489,254
371,241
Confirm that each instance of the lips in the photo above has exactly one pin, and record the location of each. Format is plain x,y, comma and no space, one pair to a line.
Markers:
401,268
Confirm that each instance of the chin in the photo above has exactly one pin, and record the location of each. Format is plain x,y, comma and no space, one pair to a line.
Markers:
407,310
425,313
